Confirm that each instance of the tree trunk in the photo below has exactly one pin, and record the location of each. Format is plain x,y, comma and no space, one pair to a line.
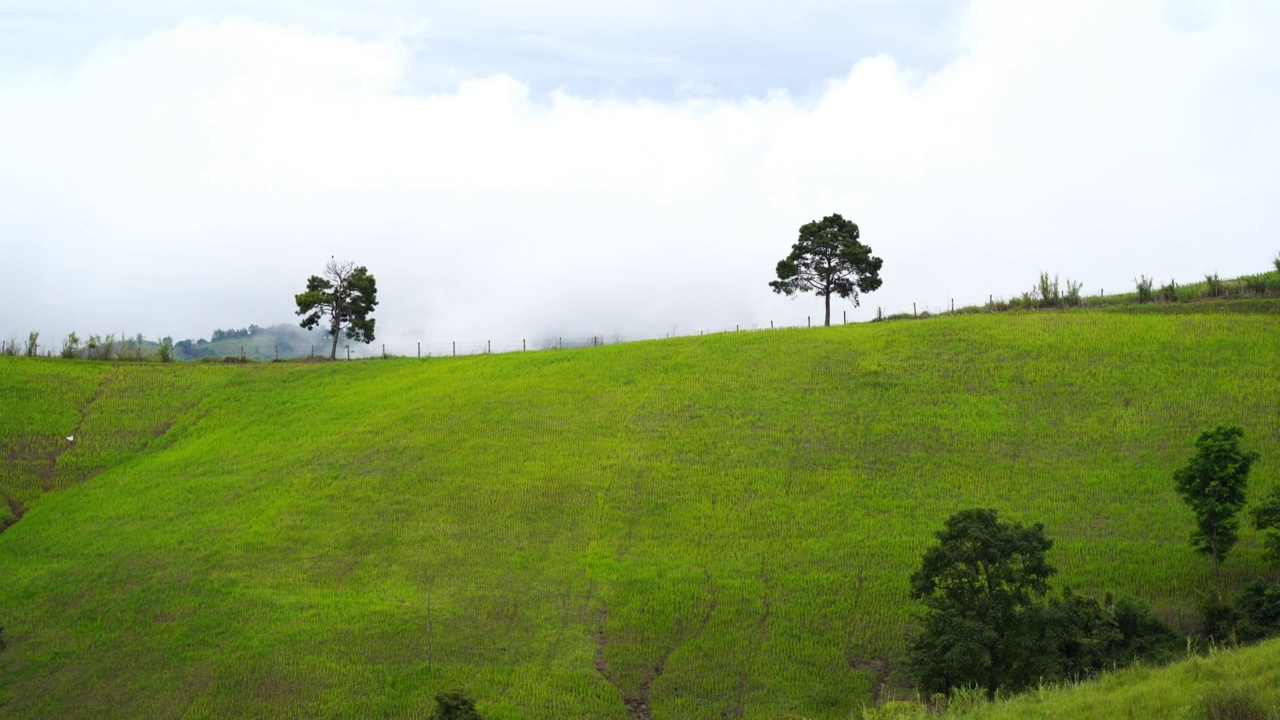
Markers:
333,353
1217,580
828,299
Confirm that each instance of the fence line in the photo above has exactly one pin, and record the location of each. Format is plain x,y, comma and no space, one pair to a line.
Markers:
481,347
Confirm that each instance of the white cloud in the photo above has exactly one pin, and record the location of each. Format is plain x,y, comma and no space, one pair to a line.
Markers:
192,179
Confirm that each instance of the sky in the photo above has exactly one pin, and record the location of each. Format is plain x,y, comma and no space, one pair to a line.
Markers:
626,169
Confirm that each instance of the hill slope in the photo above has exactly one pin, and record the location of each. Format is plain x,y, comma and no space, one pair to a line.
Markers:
704,527
1243,683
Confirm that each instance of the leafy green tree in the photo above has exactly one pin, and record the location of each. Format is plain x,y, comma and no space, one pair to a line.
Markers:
828,259
1266,517
347,295
1213,483
980,586
1258,611
454,705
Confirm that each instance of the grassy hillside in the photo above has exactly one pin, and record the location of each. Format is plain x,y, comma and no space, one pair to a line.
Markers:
716,526
1242,683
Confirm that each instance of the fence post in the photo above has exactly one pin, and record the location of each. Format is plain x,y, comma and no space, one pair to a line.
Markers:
913,309
845,315
455,348
770,324
348,352
808,321
384,351
419,348
524,344
560,343
953,306
488,346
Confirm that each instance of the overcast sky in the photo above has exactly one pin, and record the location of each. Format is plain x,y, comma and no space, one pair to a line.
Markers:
556,167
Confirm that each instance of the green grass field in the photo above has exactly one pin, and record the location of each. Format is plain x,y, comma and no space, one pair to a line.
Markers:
717,526
1238,684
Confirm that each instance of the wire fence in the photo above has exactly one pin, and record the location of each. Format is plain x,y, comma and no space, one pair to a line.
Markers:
135,349
454,348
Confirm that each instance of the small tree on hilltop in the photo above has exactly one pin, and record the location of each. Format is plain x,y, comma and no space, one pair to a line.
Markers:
1213,483
347,295
980,586
828,259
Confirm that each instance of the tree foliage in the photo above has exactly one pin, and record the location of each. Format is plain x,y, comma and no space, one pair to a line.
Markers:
1266,517
1258,611
979,586
991,623
829,259
346,294
454,705
1213,484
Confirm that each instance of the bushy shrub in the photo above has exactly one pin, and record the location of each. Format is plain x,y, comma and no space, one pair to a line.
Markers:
1258,611
130,349
454,705
100,348
1142,635
32,346
1072,298
1213,286
1169,293
1217,621
1144,285
164,353
71,346
897,710
1049,292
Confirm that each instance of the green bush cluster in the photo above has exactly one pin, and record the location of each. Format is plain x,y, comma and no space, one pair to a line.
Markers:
991,622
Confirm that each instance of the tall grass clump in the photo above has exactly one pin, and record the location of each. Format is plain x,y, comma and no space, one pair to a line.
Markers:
70,346
130,349
1072,298
1169,293
1230,702
32,346
164,353
1144,285
100,348
1049,291
1213,286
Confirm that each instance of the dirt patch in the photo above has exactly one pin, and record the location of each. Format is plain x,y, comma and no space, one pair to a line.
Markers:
879,669
637,701
31,460
16,511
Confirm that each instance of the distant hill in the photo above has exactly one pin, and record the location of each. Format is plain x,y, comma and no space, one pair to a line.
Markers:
254,343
